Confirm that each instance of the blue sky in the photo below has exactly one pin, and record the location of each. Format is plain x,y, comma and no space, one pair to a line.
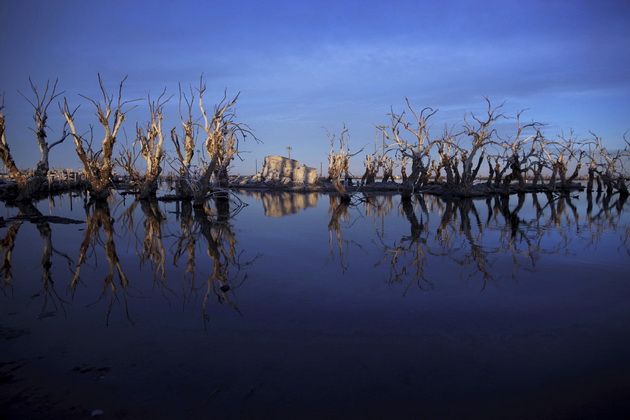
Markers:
304,67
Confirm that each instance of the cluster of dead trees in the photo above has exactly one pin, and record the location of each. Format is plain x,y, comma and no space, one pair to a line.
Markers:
450,164
216,130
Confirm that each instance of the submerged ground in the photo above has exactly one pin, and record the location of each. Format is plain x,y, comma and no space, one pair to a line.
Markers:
300,307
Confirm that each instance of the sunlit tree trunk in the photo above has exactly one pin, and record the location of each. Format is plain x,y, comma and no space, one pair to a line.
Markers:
5,153
418,150
98,164
339,164
151,141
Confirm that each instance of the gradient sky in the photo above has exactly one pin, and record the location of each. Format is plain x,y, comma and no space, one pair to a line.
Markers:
304,67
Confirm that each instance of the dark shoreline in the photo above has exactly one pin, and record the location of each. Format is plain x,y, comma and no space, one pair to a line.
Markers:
8,191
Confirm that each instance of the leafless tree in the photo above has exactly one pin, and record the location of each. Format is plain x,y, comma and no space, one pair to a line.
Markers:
41,105
31,185
418,150
481,134
559,156
448,158
339,163
372,165
388,168
151,140
98,164
223,133
519,153
609,167
5,152
186,149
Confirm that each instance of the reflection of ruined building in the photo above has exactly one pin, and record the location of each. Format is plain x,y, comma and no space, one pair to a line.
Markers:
281,204
284,170
278,204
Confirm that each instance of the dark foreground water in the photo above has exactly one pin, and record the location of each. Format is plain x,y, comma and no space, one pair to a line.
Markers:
298,307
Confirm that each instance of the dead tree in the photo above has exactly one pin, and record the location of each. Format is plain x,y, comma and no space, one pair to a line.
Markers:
40,105
372,165
339,164
448,159
151,140
5,153
219,144
388,168
611,170
517,156
223,135
31,185
481,134
418,151
127,160
559,155
98,164
186,149
594,157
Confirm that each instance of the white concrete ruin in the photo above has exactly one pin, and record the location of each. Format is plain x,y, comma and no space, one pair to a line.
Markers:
285,170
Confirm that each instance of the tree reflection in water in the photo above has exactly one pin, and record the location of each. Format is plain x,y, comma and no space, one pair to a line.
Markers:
408,255
6,245
305,319
52,302
116,289
483,240
338,210
464,238
152,248
221,248
228,269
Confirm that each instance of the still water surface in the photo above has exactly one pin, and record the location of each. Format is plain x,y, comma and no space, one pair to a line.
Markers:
294,306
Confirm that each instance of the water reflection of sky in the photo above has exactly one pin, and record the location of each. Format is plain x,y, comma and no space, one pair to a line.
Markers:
420,309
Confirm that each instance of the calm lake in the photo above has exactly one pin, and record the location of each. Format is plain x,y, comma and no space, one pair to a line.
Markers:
293,306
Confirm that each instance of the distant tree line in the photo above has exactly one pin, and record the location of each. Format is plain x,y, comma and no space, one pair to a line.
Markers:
450,164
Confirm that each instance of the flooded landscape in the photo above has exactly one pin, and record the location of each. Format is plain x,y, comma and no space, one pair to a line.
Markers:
299,305
314,210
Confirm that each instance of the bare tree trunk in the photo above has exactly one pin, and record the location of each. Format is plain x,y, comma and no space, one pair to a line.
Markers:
418,151
40,106
388,169
184,185
338,164
5,154
223,135
481,136
151,145
371,164
98,164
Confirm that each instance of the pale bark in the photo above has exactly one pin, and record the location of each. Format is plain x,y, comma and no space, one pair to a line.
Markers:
481,135
151,141
98,164
417,150
6,156
339,164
